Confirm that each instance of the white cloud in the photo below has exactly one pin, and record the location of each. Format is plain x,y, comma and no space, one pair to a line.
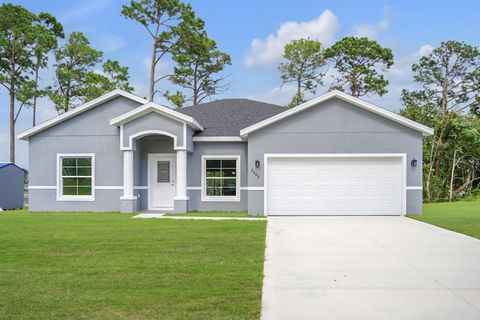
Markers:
371,30
270,50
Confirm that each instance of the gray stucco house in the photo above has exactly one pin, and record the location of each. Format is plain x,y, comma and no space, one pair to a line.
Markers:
333,155
12,179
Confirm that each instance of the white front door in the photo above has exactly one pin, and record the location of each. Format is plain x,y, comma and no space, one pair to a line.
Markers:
161,181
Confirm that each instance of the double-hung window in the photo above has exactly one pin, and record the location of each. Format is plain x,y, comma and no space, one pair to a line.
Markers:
76,177
221,178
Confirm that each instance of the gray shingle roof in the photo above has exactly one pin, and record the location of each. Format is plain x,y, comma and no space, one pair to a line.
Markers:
227,116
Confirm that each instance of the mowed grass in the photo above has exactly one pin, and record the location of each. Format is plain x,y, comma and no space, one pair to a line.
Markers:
239,214
463,217
109,266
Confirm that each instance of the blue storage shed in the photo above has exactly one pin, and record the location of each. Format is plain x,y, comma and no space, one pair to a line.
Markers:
12,179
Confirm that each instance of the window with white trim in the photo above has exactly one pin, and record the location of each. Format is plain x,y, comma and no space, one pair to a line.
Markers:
76,177
221,178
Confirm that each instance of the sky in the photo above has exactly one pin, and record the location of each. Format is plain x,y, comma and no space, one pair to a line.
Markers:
254,33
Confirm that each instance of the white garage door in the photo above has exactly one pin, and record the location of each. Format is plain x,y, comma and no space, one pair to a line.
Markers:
334,186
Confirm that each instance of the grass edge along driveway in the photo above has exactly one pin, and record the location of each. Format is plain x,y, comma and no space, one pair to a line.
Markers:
461,216
109,266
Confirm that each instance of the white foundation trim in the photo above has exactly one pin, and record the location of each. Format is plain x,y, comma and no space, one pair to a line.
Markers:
414,188
42,187
109,187
253,188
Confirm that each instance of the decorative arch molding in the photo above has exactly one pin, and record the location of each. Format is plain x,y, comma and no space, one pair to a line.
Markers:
145,133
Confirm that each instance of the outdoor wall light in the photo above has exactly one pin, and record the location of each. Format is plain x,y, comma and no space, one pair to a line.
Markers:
257,164
413,163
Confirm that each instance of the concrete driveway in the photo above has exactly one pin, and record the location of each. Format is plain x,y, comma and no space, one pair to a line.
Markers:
369,268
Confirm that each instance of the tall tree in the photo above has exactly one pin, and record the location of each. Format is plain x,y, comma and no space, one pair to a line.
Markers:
113,76
167,22
17,36
304,61
450,80
450,76
48,31
198,70
74,63
359,63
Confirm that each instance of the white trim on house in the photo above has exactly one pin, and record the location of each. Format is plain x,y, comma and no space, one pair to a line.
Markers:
55,187
414,188
338,94
253,188
241,188
108,187
42,187
206,198
59,187
402,156
153,107
147,133
73,112
140,188
218,139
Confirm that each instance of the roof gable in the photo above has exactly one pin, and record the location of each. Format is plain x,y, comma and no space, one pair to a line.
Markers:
153,107
72,113
426,131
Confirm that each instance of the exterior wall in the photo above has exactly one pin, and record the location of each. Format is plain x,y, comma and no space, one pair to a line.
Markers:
11,187
194,175
89,132
334,127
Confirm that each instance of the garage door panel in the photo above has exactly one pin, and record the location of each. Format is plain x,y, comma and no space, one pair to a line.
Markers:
334,186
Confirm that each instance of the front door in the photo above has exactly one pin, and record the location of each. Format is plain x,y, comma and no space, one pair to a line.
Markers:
161,187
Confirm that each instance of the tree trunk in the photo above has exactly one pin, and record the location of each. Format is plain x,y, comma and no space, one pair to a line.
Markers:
152,70
34,107
452,175
12,122
195,86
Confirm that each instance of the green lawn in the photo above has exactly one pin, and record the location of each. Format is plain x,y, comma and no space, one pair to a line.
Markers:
109,266
215,214
463,217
